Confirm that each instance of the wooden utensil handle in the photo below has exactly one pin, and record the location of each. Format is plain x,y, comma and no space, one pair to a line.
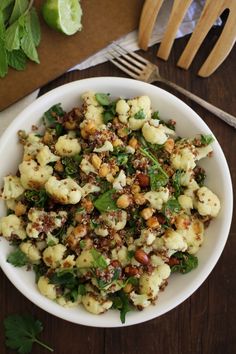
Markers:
226,117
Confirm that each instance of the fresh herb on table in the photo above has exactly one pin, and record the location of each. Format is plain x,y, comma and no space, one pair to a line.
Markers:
183,262
17,258
105,202
21,332
19,34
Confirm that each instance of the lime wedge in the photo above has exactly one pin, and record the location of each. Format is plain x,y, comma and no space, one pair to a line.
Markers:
63,15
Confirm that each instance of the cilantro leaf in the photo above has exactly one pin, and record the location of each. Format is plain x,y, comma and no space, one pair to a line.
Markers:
176,183
21,332
36,198
51,115
121,303
103,99
65,277
140,114
105,202
184,262
157,178
172,206
17,258
99,260
206,139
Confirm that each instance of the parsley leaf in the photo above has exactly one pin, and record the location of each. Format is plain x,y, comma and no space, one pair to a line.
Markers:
121,303
65,277
21,332
17,258
99,260
186,262
105,202
140,114
157,178
206,139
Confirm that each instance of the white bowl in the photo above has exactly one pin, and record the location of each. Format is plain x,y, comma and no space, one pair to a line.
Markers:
218,179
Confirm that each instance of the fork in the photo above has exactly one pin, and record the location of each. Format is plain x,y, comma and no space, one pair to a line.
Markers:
140,68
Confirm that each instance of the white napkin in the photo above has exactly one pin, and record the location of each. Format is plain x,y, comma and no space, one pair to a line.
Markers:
129,41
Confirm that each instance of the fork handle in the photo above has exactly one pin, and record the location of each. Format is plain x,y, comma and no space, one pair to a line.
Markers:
226,117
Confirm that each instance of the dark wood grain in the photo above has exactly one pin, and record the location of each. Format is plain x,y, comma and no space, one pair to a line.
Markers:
203,324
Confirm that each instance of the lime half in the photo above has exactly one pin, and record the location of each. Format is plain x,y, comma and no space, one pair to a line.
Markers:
63,15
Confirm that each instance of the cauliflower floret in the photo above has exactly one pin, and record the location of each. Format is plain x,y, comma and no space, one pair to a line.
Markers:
150,283
65,191
101,231
31,251
53,255
121,254
139,300
87,167
62,301
120,181
185,202
193,235
203,151
157,199
12,225
154,135
122,108
146,238
41,221
174,242
156,260
93,110
85,259
115,219
89,188
139,106
32,146
48,290
67,146
12,188
107,146
45,156
183,159
95,303
34,176
207,203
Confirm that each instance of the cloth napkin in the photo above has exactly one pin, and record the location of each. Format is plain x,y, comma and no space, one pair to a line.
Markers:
128,41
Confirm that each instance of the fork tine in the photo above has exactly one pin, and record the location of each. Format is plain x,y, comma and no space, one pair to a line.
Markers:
126,63
123,68
126,51
128,58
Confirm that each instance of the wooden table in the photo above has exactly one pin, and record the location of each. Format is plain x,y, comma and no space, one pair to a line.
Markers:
206,322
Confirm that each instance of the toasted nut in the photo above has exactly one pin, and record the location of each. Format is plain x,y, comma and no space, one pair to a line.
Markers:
128,288
58,166
87,204
141,257
115,263
80,230
89,128
117,142
104,170
146,213
133,142
96,161
153,222
114,169
75,236
47,138
169,145
161,218
122,132
123,201
143,180
118,239
130,270
110,178
135,189
20,209
70,124
139,199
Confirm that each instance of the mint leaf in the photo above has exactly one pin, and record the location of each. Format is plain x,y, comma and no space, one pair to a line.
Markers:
6,7
35,26
21,332
19,8
105,202
5,3
17,258
12,40
206,139
3,59
17,59
27,40
140,114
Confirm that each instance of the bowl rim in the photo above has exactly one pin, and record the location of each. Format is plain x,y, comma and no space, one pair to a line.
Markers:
198,281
